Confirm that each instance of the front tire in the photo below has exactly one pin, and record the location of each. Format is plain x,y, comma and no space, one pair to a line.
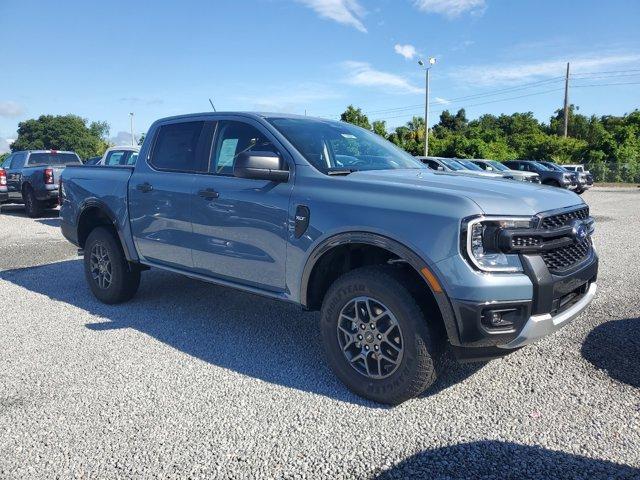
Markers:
376,337
32,205
109,275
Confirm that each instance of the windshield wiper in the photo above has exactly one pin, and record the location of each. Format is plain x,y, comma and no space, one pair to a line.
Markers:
341,171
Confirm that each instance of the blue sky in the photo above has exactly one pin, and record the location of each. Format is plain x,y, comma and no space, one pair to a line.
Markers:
102,60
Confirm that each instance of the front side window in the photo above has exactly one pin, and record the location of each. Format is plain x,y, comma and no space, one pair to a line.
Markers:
498,166
234,138
181,147
132,158
7,162
453,164
17,161
338,146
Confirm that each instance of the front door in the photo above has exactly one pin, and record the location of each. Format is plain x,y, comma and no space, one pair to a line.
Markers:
14,175
160,193
240,225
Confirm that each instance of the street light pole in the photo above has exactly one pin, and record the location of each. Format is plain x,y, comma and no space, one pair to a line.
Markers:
133,138
432,61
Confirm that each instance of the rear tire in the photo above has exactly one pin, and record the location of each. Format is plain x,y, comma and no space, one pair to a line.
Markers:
401,365
109,275
32,206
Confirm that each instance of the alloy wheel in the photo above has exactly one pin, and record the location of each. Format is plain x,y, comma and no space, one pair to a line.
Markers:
370,337
100,265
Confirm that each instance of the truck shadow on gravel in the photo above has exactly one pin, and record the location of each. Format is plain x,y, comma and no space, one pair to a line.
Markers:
615,347
17,210
491,459
262,338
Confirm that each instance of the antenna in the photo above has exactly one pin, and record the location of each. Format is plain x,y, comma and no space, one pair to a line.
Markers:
212,106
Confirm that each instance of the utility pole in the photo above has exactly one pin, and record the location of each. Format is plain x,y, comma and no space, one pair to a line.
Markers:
432,62
426,114
133,138
566,102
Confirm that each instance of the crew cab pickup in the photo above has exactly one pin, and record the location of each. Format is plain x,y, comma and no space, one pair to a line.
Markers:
32,177
401,261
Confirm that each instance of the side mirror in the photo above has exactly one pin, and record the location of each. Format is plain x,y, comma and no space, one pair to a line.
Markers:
261,166
440,169
489,168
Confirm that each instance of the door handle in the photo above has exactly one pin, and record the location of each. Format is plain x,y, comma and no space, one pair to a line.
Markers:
144,187
208,193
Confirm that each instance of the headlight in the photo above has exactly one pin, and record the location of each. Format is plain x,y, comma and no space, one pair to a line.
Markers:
481,246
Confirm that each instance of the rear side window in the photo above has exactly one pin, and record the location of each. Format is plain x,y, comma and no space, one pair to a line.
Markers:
132,158
36,159
183,147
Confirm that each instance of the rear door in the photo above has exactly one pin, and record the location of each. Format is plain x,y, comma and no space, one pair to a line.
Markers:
239,224
160,192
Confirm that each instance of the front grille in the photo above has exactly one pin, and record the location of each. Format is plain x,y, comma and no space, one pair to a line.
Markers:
525,241
563,258
562,219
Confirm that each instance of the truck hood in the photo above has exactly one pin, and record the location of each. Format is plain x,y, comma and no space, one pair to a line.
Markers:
493,196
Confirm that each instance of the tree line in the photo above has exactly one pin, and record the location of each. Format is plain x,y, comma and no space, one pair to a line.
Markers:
608,145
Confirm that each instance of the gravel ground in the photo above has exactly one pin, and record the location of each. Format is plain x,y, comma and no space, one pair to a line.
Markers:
226,384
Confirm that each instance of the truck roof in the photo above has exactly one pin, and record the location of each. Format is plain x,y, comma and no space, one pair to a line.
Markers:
254,115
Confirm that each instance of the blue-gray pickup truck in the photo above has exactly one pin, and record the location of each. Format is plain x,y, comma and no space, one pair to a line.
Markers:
402,261
32,177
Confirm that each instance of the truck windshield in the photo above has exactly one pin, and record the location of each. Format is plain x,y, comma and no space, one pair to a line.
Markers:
468,164
36,159
453,164
497,165
338,146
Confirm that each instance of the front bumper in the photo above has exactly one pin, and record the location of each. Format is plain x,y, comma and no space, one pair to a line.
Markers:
539,326
538,303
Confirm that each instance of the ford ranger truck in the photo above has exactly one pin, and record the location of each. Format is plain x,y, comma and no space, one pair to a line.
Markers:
401,261
32,177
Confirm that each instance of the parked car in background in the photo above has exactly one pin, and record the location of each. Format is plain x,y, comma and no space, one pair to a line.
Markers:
4,195
496,166
454,165
93,160
401,261
120,156
32,177
577,168
547,175
581,179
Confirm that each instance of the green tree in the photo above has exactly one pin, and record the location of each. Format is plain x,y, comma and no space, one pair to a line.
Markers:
380,127
62,132
355,116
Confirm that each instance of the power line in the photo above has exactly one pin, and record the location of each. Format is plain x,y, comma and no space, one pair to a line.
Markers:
483,103
606,84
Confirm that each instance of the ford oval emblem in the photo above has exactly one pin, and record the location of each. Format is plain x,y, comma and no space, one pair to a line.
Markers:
579,231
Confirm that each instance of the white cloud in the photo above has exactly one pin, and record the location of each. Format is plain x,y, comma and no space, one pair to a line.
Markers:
441,101
364,75
513,73
451,8
347,12
407,51
11,109
142,101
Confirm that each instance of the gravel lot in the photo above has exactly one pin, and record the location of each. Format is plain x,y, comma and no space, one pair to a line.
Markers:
194,380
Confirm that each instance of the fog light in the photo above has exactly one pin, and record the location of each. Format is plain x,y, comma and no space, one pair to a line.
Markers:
498,318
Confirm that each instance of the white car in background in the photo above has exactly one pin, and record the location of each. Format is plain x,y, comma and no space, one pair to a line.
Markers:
461,166
119,156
